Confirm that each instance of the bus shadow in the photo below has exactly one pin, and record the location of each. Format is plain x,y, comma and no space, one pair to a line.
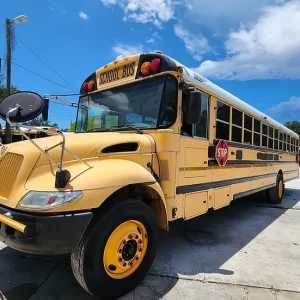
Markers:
199,248
191,249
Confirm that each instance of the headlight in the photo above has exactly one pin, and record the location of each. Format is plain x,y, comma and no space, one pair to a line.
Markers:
46,200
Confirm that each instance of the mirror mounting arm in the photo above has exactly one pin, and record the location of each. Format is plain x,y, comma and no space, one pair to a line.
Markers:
186,87
28,138
61,99
62,176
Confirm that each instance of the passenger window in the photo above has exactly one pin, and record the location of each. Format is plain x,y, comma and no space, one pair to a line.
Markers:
247,129
201,128
237,119
271,131
169,103
264,141
276,139
280,142
256,132
223,116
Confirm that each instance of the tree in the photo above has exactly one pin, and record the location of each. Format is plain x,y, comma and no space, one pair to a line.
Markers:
72,127
3,93
40,122
293,125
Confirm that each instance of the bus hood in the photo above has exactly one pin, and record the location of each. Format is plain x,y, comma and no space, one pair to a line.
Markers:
22,160
89,145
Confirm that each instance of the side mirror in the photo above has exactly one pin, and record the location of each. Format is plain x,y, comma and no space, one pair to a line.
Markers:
193,108
30,106
45,109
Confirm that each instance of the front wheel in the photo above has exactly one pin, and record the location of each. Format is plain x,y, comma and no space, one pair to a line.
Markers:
117,251
275,194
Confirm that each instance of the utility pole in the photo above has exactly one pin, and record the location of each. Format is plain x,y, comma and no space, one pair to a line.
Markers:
8,74
9,23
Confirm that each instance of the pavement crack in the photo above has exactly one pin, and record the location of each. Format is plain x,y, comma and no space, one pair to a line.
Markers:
43,282
154,293
134,294
246,294
221,283
279,207
33,258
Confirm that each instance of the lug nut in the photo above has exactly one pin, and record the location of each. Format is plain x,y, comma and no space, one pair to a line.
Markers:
140,241
124,242
130,236
136,237
131,264
140,249
120,259
136,258
124,265
120,250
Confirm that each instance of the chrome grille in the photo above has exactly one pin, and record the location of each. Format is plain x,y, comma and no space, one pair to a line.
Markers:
10,165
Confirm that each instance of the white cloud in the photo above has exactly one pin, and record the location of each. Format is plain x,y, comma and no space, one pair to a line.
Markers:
268,49
108,2
222,15
146,11
197,45
122,50
83,16
155,36
286,111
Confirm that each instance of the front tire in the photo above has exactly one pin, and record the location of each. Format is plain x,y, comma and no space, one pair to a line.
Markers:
117,251
275,194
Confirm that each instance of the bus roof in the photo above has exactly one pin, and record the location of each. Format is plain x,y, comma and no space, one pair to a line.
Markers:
217,91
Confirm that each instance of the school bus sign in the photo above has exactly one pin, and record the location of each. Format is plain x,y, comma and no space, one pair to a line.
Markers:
222,153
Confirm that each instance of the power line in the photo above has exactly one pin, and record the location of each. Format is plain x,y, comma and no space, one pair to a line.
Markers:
42,76
44,62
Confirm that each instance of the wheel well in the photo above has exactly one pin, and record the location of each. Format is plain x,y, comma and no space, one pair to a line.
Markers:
143,193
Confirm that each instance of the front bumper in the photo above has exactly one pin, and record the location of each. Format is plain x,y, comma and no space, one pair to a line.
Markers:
56,234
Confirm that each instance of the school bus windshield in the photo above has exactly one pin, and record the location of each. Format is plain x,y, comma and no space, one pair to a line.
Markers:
146,104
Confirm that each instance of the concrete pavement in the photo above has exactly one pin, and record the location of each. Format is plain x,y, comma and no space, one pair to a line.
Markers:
250,250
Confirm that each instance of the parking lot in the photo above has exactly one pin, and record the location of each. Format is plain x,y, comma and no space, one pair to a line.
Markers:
250,250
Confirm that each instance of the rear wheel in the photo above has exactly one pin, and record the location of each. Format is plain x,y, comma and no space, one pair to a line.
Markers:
275,194
118,250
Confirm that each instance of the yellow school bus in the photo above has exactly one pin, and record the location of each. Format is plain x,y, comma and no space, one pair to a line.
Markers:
16,136
154,142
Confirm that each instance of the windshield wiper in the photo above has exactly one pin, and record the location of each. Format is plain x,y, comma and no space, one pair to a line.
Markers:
115,127
98,129
127,126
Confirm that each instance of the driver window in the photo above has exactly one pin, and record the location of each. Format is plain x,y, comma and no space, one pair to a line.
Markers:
201,129
186,129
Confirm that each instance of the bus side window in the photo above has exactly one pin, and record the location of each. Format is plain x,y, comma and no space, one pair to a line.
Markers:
201,128
223,119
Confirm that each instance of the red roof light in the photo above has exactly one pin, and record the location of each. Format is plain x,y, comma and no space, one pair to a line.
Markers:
85,87
155,65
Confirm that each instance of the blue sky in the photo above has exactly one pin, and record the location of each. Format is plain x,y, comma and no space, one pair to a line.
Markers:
249,47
